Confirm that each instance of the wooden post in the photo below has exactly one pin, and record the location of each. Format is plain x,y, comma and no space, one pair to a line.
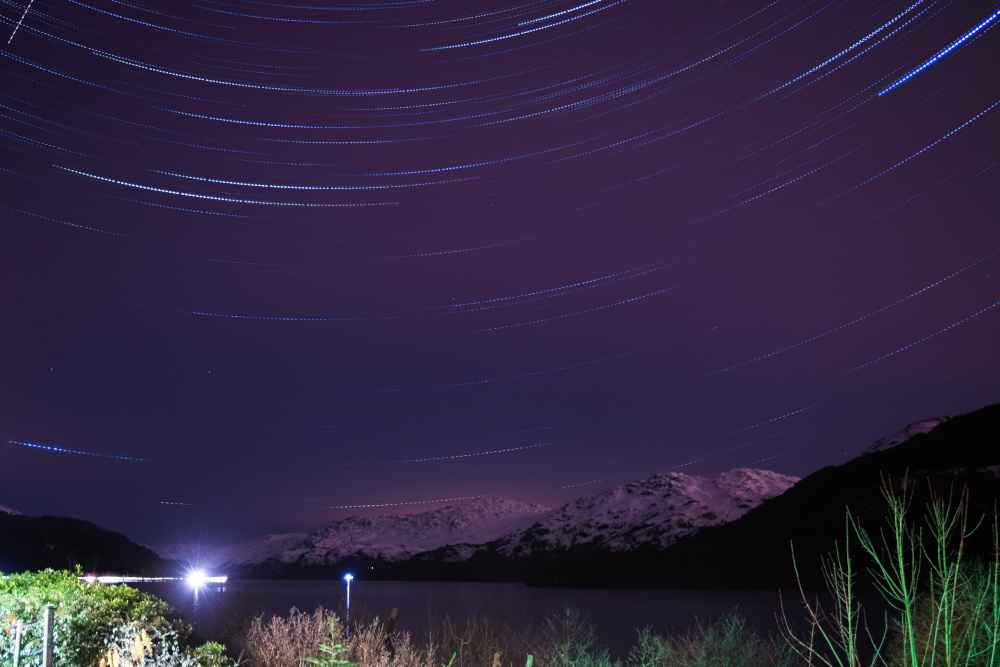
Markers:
47,637
496,659
391,623
389,626
18,633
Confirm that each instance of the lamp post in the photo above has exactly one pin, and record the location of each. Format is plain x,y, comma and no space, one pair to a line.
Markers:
347,616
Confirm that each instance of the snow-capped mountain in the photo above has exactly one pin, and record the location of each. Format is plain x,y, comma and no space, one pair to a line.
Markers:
652,511
917,427
400,537
656,510
389,538
7,510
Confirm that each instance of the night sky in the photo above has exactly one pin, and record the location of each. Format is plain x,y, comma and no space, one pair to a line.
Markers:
264,266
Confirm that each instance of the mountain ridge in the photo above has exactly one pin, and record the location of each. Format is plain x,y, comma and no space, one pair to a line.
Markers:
754,550
657,509
654,532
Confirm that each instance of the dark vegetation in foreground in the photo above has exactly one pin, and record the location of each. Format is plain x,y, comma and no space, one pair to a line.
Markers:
944,602
565,639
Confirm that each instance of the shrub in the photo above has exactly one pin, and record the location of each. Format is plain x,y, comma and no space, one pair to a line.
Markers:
475,639
959,630
366,645
288,642
130,646
88,618
569,639
725,643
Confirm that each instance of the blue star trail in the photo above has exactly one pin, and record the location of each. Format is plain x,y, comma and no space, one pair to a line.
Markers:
308,251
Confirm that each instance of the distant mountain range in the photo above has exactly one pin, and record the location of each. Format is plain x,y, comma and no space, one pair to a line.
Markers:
755,551
494,538
389,537
670,529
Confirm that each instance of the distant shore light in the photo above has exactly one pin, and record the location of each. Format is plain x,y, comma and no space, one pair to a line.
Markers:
113,579
196,578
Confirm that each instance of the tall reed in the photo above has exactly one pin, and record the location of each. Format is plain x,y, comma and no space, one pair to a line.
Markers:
951,621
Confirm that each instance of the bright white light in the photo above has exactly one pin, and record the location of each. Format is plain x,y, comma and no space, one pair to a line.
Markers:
191,578
197,578
348,577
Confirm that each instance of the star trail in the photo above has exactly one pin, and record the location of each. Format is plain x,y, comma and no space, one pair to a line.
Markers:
266,266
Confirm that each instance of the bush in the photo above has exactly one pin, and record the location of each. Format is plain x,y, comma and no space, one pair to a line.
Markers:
288,642
564,639
725,643
568,639
88,619
130,646
476,638
958,630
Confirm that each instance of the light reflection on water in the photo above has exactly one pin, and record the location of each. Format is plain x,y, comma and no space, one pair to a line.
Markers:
216,610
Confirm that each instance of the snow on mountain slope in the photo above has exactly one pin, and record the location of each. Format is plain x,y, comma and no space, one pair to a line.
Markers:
656,510
390,537
7,510
920,426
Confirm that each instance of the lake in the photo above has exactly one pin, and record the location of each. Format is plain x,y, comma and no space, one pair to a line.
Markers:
617,614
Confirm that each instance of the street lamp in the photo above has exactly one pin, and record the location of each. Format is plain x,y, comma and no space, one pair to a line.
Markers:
347,618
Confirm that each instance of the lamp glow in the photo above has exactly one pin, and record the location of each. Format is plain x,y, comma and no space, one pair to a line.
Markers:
347,616
197,578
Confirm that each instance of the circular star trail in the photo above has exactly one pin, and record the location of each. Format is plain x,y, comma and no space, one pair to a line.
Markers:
282,264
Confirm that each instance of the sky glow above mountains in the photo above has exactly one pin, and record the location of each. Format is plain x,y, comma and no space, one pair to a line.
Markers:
268,266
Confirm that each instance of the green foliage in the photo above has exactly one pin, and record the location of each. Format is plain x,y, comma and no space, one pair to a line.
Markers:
87,617
570,640
725,643
209,654
330,649
947,609
130,646
331,656
956,627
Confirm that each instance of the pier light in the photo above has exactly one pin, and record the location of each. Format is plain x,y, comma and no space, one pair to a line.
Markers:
347,616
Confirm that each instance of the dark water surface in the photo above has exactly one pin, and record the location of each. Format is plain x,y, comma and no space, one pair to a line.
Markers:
617,614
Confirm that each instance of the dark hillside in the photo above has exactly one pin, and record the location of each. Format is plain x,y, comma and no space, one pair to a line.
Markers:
754,551
35,543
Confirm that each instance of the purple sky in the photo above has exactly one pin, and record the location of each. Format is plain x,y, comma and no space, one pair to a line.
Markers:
264,268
